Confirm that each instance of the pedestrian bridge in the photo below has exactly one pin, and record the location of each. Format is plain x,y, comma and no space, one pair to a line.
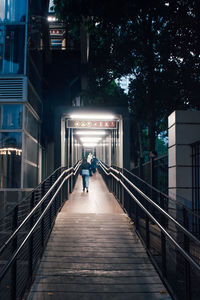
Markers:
114,242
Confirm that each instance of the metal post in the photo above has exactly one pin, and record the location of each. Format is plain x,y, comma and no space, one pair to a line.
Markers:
137,216
14,266
152,173
147,231
70,185
42,226
67,191
50,213
187,265
163,238
141,161
30,263
123,191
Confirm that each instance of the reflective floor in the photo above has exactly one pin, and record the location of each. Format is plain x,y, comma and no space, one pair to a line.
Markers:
97,200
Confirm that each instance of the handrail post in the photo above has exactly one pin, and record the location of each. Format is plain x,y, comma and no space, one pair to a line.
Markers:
147,231
152,171
67,191
187,265
51,207
123,192
109,182
163,238
117,189
70,185
137,216
30,263
14,266
141,161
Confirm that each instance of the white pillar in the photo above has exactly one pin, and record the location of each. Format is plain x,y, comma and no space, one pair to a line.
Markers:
183,130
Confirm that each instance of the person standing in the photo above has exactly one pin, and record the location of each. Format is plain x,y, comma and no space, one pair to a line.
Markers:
94,164
89,158
85,171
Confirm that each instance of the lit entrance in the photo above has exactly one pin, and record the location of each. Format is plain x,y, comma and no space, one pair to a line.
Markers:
100,134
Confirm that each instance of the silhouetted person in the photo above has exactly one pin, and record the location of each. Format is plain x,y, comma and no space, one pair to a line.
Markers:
85,172
94,164
89,158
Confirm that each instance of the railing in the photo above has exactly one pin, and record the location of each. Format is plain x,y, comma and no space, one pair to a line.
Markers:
184,215
30,226
196,182
155,172
174,251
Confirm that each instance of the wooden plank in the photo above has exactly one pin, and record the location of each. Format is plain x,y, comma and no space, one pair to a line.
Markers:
98,296
113,273
66,279
94,266
99,288
71,254
99,260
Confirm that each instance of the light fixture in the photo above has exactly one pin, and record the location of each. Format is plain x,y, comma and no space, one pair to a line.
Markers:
90,139
51,19
92,117
8,151
89,144
90,132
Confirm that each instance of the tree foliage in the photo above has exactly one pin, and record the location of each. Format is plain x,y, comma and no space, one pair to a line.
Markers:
156,41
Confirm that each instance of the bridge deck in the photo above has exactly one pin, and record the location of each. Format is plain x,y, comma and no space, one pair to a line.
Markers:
93,253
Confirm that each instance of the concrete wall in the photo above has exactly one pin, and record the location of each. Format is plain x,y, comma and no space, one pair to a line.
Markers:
183,130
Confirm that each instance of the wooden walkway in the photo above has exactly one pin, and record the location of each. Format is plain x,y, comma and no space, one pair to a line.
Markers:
94,254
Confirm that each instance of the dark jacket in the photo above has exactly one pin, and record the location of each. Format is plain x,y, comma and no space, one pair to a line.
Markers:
85,166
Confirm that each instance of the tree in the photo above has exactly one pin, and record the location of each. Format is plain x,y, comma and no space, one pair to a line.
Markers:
156,41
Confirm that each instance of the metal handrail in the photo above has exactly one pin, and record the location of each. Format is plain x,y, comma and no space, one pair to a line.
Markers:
6,267
12,237
154,220
32,191
162,193
37,205
185,254
161,210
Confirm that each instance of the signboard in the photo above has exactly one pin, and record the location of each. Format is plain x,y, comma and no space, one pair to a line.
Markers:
91,124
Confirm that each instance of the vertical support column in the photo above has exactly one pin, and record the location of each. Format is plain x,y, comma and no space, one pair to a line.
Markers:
14,266
70,158
63,143
184,129
125,141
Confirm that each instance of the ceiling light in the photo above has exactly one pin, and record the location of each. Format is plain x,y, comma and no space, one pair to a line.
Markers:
90,139
92,117
90,132
89,144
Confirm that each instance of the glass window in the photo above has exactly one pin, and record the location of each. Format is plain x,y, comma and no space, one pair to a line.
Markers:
12,41
10,159
11,140
13,10
30,176
31,124
31,150
11,116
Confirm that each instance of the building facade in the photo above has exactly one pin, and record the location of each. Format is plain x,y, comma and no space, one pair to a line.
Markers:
41,74
23,50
